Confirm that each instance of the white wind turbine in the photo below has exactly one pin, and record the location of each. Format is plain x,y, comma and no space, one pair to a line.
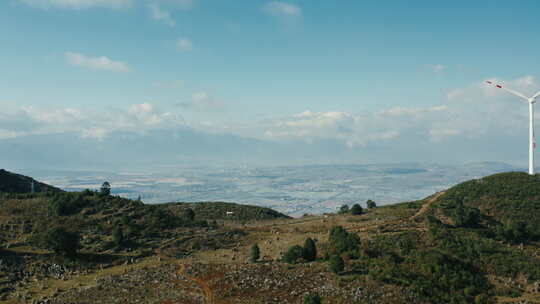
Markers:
531,101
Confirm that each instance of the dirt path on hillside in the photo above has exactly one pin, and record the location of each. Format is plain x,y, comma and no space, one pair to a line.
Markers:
208,293
426,205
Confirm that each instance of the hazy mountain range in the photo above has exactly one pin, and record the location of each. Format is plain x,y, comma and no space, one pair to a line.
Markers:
186,146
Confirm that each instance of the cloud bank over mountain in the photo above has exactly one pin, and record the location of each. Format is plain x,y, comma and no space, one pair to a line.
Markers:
477,121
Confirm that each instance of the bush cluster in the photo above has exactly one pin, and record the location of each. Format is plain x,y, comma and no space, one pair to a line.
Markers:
356,209
298,253
312,299
66,203
341,241
58,239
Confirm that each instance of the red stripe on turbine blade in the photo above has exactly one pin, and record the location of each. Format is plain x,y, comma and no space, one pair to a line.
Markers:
499,86
489,82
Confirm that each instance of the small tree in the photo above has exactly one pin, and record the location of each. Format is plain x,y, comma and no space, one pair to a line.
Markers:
255,253
356,209
371,204
344,209
336,264
58,207
105,188
125,220
312,299
293,255
62,241
465,216
189,215
310,250
117,236
514,231
341,241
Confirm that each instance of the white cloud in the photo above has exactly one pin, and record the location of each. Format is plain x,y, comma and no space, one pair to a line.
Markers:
78,4
160,10
146,114
97,133
437,67
203,102
88,123
61,116
278,8
184,44
403,111
473,112
159,14
364,129
96,63
525,82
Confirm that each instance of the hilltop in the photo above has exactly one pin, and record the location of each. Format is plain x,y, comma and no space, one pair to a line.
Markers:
230,211
16,183
477,242
496,200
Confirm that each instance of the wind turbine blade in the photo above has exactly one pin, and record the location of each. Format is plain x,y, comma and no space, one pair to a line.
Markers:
508,90
515,93
536,95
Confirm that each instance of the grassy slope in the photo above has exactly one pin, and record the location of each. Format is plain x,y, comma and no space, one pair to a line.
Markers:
402,259
218,211
500,197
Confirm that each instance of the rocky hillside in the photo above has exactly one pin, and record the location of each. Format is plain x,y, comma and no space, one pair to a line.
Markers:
476,242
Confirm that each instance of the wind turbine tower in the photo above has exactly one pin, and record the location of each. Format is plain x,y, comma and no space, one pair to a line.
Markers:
531,101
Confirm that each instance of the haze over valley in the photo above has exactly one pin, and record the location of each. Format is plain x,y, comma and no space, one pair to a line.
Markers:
293,190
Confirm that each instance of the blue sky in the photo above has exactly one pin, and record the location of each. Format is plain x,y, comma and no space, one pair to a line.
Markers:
359,72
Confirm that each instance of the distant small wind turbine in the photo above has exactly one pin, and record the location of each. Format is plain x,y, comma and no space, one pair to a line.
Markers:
531,101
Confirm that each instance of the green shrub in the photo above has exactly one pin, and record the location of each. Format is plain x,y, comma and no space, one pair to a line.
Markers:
293,255
336,264
341,241
312,299
189,215
117,236
514,231
66,204
356,209
344,209
310,250
61,241
466,216
105,189
255,253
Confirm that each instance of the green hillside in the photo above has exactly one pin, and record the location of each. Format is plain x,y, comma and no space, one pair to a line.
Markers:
16,183
497,202
476,242
228,211
479,233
